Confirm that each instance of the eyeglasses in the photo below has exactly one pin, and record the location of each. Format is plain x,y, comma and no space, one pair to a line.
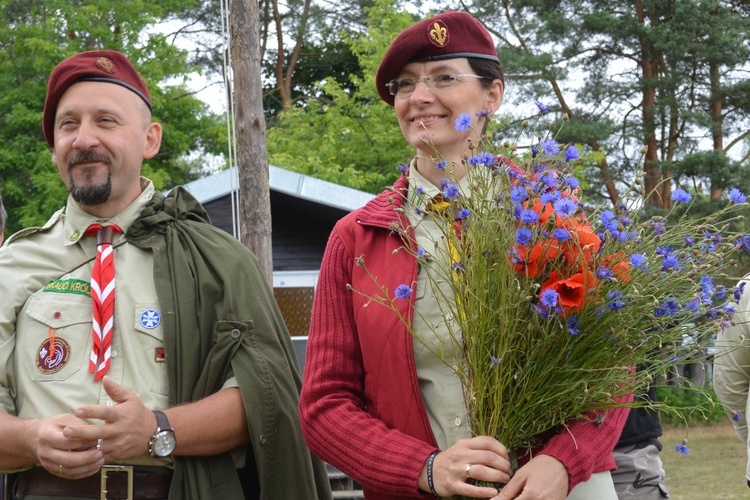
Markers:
406,86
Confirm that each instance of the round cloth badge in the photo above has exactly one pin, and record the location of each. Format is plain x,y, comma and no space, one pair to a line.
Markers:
150,319
438,34
49,363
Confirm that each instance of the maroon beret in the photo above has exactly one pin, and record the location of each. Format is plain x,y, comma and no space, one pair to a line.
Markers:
94,66
445,36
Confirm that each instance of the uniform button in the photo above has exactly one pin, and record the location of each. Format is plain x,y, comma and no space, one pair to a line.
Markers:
235,334
263,439
457,421
114,353
57,315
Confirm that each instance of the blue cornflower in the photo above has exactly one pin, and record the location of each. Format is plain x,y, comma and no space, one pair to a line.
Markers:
529,216
403,168
626,221
707,289
693,305
573,325
669,307
743,243
561,234
658,227
534,150
609,220
663,250
616,300
548,179
441,164
486,159
463,213
565,207
419,190
571,153
421,254
739,291
549,196
518,194
550,147
689,241
737,196
495,361
484,113
444,181
543,110
681,448
523,236
679,195
639,261
670,262
549,298
451,191
736,416
572,181
402,291
463,122
605,274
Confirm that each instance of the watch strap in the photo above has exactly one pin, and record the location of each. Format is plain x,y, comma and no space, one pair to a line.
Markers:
162,422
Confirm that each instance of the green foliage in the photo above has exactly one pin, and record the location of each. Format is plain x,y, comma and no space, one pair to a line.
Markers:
34,37
689,406
352,137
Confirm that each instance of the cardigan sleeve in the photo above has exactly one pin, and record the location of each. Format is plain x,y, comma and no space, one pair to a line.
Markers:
585,446
335,421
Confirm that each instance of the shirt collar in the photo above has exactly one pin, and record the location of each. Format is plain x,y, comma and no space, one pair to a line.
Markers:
77,220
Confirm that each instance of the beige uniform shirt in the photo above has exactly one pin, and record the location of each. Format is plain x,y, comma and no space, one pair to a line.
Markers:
433,323
45,286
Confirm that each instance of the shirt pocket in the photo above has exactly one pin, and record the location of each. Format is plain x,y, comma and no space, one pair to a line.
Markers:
64,319
152,360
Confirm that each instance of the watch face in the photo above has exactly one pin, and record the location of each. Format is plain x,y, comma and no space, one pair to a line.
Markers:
164,444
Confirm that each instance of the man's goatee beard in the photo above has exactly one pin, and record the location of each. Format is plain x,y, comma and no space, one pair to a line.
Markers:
90,195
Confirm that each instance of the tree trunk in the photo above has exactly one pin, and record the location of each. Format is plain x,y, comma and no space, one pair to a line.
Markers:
717,120
652,173
284,93
250,131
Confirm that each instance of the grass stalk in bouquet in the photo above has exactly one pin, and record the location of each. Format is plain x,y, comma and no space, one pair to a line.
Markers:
554,303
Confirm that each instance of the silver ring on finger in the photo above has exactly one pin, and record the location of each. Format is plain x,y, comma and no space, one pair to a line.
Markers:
467,470
99,444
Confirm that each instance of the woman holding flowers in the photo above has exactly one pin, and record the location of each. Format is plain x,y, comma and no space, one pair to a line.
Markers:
378,400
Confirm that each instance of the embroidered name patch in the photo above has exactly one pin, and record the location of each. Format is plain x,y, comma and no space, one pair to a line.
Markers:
49,363
77,287
150,319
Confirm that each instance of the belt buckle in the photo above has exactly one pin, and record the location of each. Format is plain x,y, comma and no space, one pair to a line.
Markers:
127,469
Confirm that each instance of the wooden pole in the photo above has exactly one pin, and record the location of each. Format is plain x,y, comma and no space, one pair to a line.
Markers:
250,131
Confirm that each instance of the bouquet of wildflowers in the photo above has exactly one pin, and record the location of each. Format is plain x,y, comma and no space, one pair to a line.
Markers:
556,303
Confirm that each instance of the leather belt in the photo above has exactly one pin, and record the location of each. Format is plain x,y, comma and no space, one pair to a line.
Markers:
112,482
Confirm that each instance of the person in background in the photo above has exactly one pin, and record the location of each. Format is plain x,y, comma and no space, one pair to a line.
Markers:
640,474
141,349
375,402
731,372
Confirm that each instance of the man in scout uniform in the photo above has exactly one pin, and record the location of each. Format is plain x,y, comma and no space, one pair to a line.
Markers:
111,383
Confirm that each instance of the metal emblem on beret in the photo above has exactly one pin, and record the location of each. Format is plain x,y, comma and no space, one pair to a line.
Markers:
438,34
105,64
48,363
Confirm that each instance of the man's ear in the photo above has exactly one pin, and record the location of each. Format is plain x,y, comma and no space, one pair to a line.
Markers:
153,140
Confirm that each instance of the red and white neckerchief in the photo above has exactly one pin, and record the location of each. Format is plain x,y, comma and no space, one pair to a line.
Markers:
103,298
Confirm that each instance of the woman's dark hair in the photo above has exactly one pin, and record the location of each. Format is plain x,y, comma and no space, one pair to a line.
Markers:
488,70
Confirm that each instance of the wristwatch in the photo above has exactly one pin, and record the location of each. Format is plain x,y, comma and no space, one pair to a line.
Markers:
163,442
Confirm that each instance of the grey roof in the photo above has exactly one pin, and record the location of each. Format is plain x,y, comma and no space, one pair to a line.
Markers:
222,183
